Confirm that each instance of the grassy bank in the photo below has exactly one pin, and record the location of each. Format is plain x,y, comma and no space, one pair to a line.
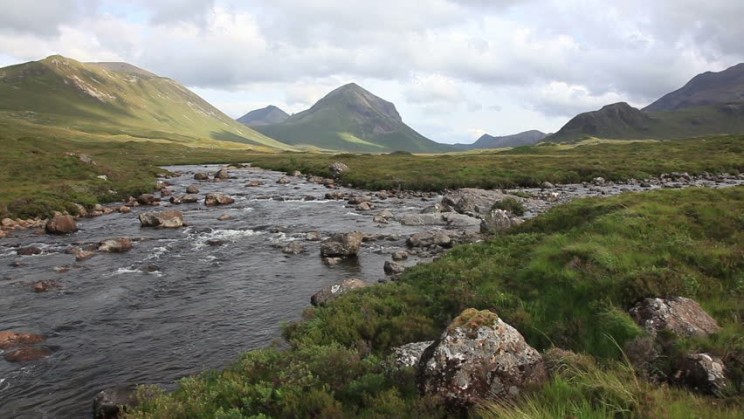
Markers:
522,166
565,279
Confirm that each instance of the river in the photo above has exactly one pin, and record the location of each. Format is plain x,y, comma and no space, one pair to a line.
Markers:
187,300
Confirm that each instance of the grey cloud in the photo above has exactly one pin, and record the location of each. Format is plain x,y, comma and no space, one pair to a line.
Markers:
29,17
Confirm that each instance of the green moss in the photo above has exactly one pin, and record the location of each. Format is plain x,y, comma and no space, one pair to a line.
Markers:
471,320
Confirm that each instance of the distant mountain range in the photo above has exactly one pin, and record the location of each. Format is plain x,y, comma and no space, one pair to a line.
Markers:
264,116
351,118
709,104
114,99
516,140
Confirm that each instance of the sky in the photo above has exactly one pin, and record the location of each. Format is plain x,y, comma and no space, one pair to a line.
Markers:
455,69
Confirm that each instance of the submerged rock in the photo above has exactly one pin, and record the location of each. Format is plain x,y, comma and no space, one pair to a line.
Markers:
479,357
293,248
27,354
332,292
10,339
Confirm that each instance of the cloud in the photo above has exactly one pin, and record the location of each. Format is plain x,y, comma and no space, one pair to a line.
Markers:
562,99
434,88
31,18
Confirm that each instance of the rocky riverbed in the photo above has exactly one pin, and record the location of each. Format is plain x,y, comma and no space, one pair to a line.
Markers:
182,280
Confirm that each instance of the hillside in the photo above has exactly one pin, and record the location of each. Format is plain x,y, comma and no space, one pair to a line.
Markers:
486,141
705,89
111,100
351,119
618,120
264,116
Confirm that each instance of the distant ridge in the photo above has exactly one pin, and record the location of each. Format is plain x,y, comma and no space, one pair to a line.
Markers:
352,119
115,99
486,141
264,116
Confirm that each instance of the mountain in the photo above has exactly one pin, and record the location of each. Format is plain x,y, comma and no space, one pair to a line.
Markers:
515,140
618,120
114,100
709,104
264,116
703,90
351,119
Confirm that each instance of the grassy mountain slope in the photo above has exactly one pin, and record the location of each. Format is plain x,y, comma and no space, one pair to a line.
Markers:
110,99
351,119
704,89
264,116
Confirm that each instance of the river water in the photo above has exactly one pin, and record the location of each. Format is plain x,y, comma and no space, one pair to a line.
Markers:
192,299
175,305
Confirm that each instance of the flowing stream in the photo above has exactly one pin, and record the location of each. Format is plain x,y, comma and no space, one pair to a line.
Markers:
187,300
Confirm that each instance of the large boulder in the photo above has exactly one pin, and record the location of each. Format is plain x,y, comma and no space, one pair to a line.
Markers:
216,198
703,373
116,245
164,219
113,402
679,315
479,357
61,224
332,292
472,201
498,220
342,244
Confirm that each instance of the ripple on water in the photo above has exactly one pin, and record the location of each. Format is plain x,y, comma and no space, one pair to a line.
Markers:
202,239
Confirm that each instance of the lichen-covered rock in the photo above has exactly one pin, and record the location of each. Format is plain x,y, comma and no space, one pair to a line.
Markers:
479,357
679,315
164,219
61,224
332,292
284,180
342,244
217,198
400,255
498,220
422,219
409,355
338,168
703,373
116,245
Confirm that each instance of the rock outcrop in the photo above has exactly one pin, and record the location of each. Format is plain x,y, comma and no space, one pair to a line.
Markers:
342,245
61,224
337,169
472,201
679,315
498,220
479,357
332,292
164,219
